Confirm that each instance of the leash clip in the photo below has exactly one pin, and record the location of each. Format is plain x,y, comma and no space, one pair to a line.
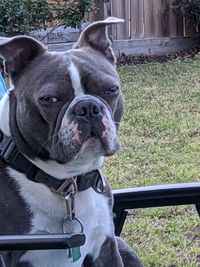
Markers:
69,187
68,191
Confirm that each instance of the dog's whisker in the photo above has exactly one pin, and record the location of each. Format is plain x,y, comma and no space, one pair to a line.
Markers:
116,122
48,140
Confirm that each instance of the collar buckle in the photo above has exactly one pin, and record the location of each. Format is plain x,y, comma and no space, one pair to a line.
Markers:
8,150
68,188
99,185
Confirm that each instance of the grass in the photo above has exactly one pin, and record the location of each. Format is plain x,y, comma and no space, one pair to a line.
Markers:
160,143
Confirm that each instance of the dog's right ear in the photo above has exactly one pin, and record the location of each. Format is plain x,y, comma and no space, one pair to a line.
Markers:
18,52
95,36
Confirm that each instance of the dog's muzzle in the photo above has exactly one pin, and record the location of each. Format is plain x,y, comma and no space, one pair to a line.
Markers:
87,123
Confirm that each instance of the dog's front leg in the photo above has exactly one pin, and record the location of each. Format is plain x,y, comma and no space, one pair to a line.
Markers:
108,256
129,257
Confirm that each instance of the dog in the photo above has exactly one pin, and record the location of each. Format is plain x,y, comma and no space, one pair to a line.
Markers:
57,124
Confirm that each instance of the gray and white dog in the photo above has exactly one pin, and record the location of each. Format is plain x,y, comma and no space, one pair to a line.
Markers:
57,124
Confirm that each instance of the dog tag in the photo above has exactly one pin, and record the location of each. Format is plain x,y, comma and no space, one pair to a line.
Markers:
72,226
75,254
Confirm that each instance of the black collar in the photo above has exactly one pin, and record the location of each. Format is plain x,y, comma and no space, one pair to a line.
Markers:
11,156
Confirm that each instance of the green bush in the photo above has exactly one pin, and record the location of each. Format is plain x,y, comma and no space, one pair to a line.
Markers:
25,16
22,17
71,14
190,9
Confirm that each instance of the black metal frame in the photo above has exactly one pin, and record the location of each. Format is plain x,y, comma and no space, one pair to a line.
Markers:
153,196
124,200
35,242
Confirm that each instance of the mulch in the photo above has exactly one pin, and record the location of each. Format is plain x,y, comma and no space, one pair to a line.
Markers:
190,53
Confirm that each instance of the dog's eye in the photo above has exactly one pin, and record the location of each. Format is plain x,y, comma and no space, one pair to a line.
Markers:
49,99
112,91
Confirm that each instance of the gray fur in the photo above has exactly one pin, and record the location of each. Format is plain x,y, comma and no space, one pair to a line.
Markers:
129,257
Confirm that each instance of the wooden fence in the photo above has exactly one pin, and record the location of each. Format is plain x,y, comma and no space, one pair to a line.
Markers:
151,28
146,19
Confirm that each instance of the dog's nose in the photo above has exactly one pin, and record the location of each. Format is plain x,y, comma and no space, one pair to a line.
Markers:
87,109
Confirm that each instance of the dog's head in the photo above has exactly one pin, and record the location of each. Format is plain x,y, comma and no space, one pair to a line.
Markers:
65,106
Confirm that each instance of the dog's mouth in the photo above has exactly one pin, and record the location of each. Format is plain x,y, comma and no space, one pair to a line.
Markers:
106,145
77,139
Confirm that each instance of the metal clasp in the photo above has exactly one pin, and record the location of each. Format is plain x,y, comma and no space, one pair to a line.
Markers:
67,188
100,185
68,191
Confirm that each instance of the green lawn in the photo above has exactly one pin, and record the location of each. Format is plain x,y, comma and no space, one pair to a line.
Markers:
160,143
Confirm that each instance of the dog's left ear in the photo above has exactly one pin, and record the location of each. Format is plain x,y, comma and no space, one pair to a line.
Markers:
95,36
18,52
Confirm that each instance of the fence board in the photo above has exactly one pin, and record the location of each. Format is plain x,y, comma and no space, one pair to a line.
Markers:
137,18
107,9
164,13
114,14
148,19
127,18
173,27
155,18
119,12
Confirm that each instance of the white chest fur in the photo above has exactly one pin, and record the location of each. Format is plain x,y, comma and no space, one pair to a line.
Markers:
48,211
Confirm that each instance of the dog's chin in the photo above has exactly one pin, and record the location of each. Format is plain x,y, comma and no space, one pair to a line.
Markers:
93,146
97,146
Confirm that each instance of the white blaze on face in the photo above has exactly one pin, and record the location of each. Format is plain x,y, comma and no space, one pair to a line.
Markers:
75,80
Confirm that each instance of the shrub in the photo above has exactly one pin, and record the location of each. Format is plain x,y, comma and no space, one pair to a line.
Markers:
190,9
71,14
25,16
